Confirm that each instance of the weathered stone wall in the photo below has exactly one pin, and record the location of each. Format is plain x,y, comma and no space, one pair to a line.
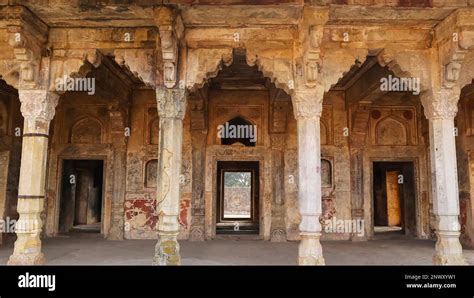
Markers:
397,132
336,151
465,162
80,130
225,105
142,157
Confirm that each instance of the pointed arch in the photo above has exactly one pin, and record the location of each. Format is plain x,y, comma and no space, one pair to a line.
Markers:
391,131
87,130
237,130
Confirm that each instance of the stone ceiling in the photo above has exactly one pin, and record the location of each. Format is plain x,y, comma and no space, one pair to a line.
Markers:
213,13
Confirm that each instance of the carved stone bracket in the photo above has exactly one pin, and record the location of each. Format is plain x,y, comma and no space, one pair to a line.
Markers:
452,67
28,36
453,37
171,31
307,70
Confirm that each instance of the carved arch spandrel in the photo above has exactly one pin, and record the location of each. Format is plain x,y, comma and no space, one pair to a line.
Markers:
466,74
204,64
73,63
337,62
409,64
10,72
142,63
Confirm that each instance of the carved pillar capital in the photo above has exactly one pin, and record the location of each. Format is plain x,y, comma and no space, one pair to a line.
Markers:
171,103
308,103
440,103
38,109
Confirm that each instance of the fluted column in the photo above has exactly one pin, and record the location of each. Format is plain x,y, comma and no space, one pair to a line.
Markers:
440,108
38,108
307,107
171,109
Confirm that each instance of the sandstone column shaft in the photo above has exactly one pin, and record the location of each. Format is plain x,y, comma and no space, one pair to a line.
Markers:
445,191
171,109
37,107
308,109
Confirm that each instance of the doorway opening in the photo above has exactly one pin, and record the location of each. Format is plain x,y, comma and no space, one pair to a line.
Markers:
394,197
237,197
81,196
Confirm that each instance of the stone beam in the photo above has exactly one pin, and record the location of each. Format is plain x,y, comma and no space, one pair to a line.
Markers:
103,38
275,38
240,16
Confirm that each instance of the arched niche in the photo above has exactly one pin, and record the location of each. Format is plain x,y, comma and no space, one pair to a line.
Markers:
151,173
323,133
238,130
154,131
390,131
86,131
326,173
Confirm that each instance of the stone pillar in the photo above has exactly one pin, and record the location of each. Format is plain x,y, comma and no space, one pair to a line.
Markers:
357,143
198,204
38,108
119,141
307,109
440,109
278,229
171,109
198,115
357,192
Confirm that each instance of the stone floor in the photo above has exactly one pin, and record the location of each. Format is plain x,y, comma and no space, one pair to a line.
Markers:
88,249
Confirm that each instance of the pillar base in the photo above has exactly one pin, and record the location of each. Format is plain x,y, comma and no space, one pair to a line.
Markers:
115,233
449,259
278,235
27,259
196,234
449,250
167,252
310,251
357,238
